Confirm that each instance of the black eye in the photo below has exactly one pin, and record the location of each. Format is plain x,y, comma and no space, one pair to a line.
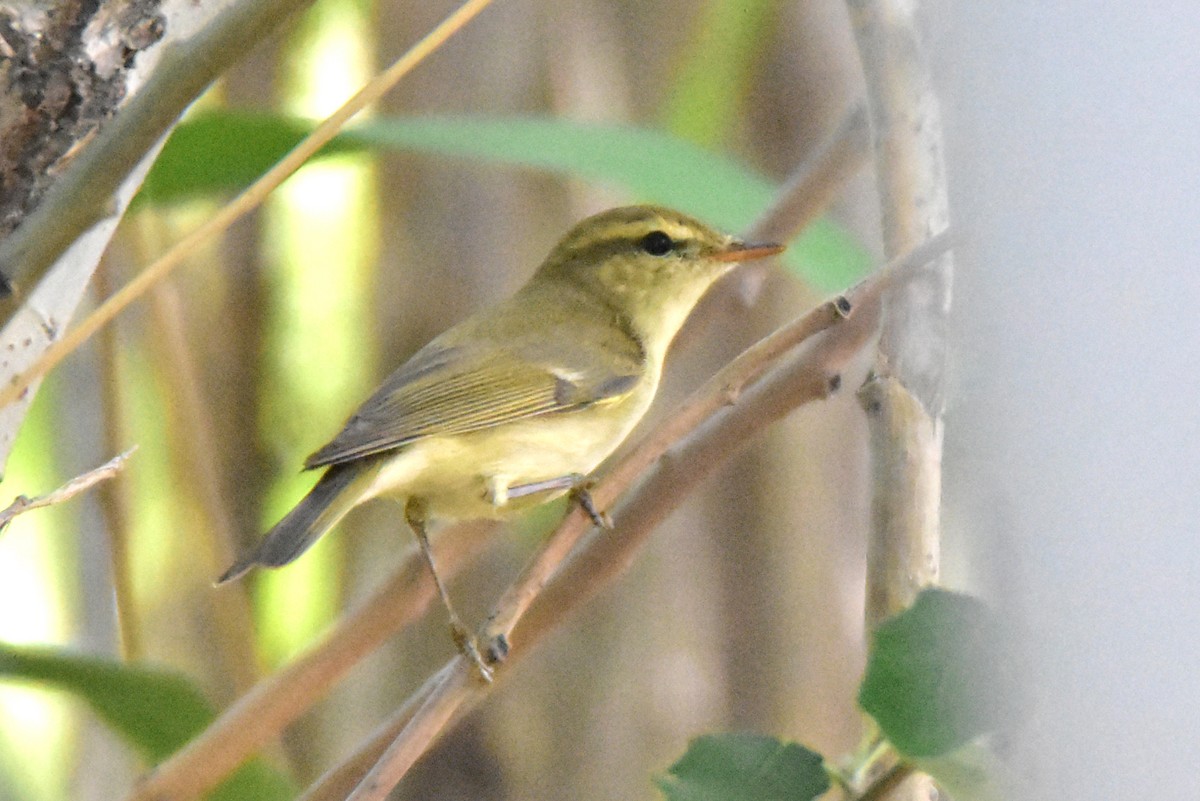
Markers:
656,243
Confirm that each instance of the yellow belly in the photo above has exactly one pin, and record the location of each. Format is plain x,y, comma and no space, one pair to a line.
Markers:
467,476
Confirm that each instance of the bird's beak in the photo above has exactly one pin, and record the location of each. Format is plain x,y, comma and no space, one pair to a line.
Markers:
742,251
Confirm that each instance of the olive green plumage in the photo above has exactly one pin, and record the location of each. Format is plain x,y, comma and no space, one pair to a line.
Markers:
514,405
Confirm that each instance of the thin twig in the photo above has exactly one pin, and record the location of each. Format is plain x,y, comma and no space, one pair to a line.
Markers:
808,192
243,203
818,181
80,483
338,782
456,683
890,780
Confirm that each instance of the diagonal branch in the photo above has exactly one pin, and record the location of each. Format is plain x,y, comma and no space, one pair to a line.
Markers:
83,194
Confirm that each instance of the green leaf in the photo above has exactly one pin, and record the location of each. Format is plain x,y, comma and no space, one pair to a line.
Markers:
938,674
218,152
225,151
744,767
156,711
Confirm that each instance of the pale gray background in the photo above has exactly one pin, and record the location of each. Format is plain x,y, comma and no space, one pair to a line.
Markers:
1072,448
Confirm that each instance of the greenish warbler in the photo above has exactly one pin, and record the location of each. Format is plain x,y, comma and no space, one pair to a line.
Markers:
515,405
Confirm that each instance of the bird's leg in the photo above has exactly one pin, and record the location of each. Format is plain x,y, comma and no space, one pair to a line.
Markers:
578,485
414,513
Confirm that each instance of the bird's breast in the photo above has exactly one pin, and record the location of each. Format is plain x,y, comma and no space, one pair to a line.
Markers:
458,476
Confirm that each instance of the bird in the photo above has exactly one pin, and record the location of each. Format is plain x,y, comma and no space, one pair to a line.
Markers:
520,402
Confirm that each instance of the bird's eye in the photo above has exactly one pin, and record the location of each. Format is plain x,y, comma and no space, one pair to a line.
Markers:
656,243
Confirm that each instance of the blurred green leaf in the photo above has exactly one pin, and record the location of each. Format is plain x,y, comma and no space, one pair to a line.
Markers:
938,674
744,767
225,151
154,710
714,81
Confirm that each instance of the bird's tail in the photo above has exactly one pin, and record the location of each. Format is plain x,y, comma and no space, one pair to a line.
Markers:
328,502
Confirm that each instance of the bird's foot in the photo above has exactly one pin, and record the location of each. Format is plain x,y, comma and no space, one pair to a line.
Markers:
467,647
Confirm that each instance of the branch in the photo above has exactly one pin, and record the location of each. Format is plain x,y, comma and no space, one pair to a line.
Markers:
904,398
82,196
79,484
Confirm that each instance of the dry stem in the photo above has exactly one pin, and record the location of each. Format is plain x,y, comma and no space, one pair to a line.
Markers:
80,483
196,459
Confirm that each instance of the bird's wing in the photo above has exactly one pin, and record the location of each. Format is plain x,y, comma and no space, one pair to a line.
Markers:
453,389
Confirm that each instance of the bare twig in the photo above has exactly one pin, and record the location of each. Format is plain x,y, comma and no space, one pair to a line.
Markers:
243,203
457,682
817,181
80,483
808,192
338,782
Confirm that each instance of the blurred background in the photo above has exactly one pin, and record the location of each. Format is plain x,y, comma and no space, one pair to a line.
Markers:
745,612
1071,451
